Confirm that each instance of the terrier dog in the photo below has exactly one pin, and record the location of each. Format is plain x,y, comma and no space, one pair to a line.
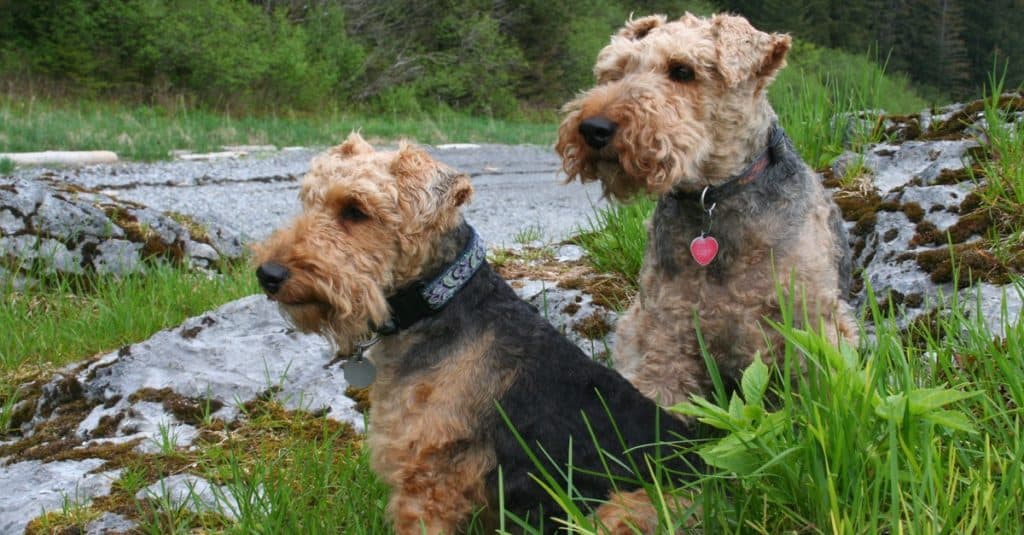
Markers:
680,111
382,250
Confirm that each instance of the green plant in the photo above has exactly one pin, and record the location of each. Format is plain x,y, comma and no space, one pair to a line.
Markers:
528,234
71,317
1002,163
617,236
6,166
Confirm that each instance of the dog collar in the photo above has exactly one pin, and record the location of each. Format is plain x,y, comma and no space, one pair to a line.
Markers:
711,195
704,248
422,299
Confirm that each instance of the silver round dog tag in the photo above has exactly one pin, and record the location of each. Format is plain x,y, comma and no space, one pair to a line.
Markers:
359,373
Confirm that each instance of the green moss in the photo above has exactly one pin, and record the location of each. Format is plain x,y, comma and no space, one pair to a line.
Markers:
966,264
196,230
913,211
192,411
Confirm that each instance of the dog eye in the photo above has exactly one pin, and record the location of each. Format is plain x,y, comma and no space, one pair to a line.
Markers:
353,213
680,73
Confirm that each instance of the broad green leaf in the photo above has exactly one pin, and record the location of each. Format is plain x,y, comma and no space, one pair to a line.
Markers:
706,412
755,382
736,411
893,408
733,455
955,420
928,399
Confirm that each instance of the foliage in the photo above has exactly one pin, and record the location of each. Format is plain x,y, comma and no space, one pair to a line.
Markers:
398,57
217,51
946,44
893,437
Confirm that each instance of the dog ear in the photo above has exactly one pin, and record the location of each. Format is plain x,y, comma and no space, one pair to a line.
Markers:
745,53
461,190
636,29
411,161
691,20
450,187
354,144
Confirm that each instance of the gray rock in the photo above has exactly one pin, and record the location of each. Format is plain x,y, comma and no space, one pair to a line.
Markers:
895,165
996,307
9,223
573,313
570,253
202,255
110,524
71,232
168,230
191,492
33,487
67,220
21,196
905,175
230,355
118,257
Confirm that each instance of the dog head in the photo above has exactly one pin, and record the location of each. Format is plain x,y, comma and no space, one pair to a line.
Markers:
674,105
370,223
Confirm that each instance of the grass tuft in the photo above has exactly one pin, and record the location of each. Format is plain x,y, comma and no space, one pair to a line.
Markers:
1002,163
616,237
6,166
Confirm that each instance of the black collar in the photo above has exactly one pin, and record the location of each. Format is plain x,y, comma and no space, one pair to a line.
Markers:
425,298
713,194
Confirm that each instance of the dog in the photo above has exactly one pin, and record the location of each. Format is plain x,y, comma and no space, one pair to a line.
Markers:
463,367
680,111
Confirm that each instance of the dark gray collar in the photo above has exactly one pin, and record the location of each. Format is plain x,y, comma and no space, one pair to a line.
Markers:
714,194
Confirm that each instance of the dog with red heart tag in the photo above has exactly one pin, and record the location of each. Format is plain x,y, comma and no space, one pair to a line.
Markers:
680,111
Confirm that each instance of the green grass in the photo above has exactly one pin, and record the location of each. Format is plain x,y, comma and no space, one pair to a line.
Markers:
897,437
6,166
615,238
1002,166
149,133
69,319
820,85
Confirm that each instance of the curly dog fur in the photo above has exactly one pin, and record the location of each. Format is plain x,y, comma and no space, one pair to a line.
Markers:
680,106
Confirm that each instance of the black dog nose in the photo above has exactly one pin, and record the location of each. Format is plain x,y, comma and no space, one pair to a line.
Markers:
598,131
271,276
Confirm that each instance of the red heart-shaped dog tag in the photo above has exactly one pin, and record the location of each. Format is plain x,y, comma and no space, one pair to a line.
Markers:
703,249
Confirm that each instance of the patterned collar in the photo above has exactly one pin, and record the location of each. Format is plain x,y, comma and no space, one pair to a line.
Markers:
422,299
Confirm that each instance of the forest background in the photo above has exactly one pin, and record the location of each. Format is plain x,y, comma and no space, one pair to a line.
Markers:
498,58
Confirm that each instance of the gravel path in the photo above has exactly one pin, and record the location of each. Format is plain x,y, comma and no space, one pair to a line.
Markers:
517,188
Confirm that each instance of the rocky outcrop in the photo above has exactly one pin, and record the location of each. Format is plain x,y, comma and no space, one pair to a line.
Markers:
51,228
76,427
920,233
